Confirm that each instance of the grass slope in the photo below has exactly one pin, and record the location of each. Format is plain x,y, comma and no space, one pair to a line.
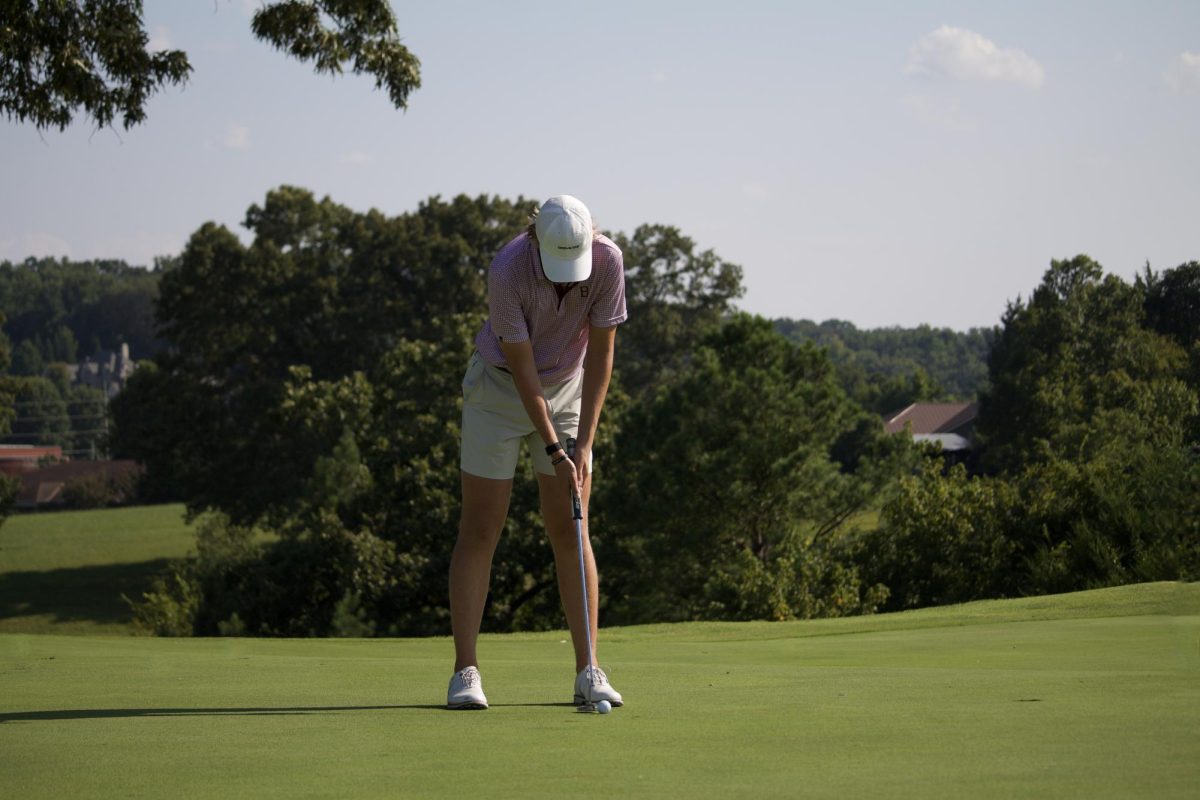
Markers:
65,571
1088,695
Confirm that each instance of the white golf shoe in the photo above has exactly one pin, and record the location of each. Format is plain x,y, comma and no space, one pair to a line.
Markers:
466,691
592,686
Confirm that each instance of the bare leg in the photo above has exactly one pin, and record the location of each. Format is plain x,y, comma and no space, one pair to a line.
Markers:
560,526
484,510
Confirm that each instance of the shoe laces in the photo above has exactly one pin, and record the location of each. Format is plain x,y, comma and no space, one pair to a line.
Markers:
470,677
595,676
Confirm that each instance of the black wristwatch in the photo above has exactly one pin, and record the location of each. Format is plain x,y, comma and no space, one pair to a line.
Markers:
551,449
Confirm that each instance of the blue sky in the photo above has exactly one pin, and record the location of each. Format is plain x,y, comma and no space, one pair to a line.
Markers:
888,163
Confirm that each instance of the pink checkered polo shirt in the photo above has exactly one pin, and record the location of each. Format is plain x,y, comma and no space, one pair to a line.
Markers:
523,304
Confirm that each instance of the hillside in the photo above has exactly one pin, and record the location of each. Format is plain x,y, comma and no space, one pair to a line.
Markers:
65,571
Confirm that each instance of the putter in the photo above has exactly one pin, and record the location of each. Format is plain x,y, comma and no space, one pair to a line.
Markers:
577,513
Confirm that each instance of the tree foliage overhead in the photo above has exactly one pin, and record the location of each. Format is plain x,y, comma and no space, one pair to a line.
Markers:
62,57
335,33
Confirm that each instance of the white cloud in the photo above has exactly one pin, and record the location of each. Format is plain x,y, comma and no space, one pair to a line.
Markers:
960,54
237,137
1183,76
159,40
355,158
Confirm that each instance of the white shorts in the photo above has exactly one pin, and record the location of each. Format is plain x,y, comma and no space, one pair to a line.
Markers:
494,421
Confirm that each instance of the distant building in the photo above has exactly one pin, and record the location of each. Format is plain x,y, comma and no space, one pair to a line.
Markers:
16,459
951,425
107,371
46,487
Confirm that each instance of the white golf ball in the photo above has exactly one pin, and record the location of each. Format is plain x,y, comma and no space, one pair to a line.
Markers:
604,706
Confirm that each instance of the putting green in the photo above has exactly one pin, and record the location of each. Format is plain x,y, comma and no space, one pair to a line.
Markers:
1088,695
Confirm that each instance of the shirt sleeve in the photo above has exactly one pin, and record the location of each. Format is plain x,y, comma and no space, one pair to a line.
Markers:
609,307
504,304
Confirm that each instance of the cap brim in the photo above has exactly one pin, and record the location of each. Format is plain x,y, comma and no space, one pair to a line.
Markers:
562,270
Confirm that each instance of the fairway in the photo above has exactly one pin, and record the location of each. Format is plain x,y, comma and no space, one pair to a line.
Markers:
65,571
1085,695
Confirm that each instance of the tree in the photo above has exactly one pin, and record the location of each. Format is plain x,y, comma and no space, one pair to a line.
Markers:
726,501
8,486
1087,423
41,414
954,362
7,388
312,387
674,294
61,57
1172,302
27,359
1172,308
55,304
87,408
321,287
1076,349
945,538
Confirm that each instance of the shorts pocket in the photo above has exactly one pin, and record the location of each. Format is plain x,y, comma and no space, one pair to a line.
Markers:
473,377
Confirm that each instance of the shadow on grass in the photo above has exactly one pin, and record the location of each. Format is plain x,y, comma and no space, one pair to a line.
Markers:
123,713
78,594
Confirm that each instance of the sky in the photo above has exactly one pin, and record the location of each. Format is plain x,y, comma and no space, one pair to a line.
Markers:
886,163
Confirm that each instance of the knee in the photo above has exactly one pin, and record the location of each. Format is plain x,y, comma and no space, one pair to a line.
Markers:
478,534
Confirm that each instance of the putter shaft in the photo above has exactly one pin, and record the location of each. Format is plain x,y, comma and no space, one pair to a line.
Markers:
577,513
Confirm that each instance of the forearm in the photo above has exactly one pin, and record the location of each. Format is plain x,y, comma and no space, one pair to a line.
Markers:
597,373
519,356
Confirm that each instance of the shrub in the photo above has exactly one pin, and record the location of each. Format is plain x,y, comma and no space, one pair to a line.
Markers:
944,538
317,581
100,489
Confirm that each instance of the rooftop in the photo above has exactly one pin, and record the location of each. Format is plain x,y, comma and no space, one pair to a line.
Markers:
929,418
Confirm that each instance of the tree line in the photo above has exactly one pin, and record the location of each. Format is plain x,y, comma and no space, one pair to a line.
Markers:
885,369
310,388
57,313
1090,435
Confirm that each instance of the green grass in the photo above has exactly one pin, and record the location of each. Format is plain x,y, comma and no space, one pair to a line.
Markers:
1094,694
65,571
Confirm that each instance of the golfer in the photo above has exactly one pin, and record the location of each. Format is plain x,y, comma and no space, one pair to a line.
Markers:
540,373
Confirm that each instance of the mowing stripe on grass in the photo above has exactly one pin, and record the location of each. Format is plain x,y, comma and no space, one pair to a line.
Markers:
1053,697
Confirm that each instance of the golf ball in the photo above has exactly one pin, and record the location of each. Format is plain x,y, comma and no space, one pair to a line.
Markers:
604,706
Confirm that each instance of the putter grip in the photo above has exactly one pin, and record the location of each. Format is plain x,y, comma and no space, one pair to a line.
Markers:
576,509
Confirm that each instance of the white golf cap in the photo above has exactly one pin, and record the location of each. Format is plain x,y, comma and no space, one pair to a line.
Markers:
564,232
